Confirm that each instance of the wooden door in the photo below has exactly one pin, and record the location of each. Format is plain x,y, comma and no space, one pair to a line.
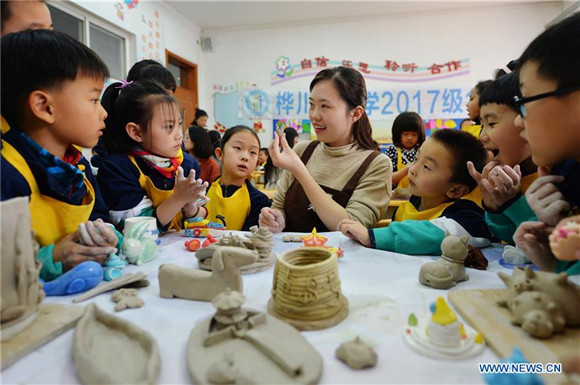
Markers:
186,93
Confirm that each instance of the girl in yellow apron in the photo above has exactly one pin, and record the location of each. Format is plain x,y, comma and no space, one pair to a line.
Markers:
233,201
473,110
146,173
408,134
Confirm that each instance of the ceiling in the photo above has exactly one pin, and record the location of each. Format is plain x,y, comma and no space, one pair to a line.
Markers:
223,15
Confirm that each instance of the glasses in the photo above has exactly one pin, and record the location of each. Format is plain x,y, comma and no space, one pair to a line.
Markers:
521,101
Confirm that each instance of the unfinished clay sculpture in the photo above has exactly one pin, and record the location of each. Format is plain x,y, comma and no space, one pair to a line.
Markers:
128,280
111,350
450,269
259,241
177,281
139,246
357,354
306,290
238,345
441,335
292,238
565,239
542,303
126,299
21,291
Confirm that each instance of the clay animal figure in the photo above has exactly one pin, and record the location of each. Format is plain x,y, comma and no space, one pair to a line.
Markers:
450,269
180,282
138,248
127,299
541,301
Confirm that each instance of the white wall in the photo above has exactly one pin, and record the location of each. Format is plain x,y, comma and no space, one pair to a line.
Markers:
488,37
177,34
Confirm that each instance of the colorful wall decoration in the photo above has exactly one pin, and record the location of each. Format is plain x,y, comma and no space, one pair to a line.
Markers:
150,43
390,71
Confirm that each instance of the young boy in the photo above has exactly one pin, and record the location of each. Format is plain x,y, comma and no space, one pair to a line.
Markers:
438,179
50,92
501,182
550,120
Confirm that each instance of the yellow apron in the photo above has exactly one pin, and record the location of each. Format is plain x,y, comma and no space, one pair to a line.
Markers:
51,218
4,124
231,211
407,211
527,181
156,195
474,130
403,183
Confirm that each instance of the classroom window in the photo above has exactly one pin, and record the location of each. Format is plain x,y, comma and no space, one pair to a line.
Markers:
108,41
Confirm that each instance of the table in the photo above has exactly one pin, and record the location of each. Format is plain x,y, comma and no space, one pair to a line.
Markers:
382,289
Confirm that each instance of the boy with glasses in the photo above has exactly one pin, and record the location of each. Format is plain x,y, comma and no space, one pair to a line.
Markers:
550,120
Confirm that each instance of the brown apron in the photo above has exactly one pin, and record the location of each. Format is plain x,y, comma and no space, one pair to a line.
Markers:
300,215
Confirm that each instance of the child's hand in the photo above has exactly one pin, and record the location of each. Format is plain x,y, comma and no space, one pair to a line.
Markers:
287,159
503,183
355,230
485,195
546,200
191,209
97,233
532,238
272,219
71,253
189,189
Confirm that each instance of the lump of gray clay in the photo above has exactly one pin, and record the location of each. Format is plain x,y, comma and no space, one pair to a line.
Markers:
356,354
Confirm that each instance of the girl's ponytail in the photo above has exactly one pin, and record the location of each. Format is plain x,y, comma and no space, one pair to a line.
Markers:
110,138
362,133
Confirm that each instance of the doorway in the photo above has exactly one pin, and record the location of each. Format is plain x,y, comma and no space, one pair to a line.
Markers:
185,74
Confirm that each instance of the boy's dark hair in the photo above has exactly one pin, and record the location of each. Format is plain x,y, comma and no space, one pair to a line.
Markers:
202,147
265,149
511,67
352,88
553,51
198,114
290,134
152,70
408,121
135,103
502,91
480,87
41,60
462,147
235,129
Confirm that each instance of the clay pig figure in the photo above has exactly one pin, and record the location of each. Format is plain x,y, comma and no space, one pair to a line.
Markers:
543,303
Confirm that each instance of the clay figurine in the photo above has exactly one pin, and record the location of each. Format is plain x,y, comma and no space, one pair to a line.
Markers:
512,378
238,345
450,269
110,350
268,258
137,247
306,290
316,240
514,255
441,335
200,227
21,291
113,267
128,280
292,238
565,239
263,241
192,245
80,278
177,281
126,299
357,354
542,303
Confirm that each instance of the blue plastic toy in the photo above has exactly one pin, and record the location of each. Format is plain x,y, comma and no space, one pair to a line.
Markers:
513,378
80,278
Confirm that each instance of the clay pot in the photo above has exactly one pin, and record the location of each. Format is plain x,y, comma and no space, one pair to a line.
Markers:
306,289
